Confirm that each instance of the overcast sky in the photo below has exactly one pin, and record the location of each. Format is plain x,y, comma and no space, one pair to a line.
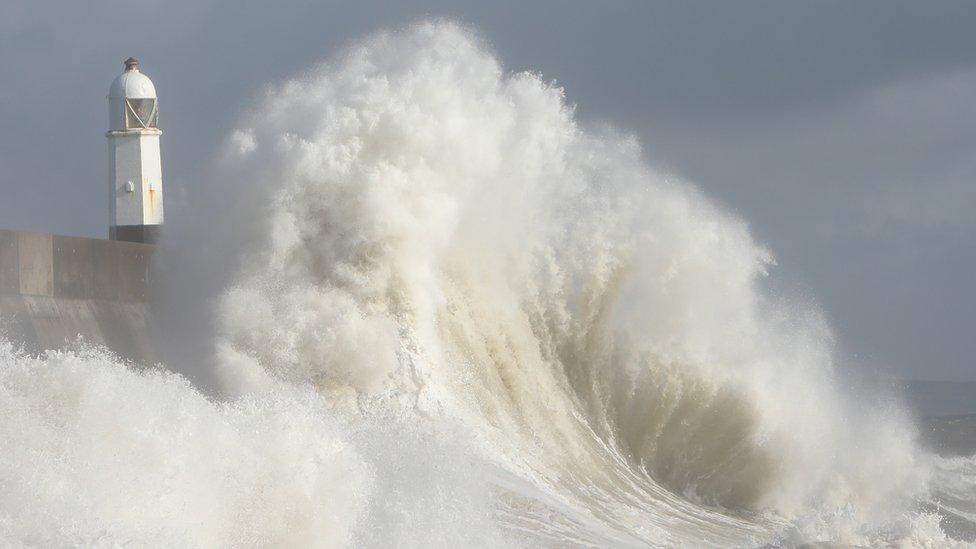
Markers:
844,132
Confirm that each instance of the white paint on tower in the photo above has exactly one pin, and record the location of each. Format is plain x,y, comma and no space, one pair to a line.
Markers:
135,170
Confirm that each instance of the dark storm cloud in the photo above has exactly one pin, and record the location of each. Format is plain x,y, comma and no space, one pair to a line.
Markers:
843,131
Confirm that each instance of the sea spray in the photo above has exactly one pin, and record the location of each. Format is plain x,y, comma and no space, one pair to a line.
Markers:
445,232
93,452
444,313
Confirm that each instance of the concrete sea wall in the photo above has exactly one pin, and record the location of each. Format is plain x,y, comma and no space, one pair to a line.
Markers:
55,288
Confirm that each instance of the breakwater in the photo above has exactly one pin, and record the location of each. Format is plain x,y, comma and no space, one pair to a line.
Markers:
55,288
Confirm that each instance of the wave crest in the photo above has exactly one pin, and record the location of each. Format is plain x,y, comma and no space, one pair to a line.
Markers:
445,232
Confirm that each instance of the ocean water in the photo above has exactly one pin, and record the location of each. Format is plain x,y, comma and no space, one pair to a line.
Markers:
444,313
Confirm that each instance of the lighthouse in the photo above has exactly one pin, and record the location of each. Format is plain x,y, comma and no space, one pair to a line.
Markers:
135,170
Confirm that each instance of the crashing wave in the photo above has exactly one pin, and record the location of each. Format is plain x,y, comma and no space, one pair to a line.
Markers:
571,347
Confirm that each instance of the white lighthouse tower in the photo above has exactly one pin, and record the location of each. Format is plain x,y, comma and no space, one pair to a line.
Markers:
135,171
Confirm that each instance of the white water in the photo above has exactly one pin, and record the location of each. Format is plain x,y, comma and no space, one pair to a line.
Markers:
454,316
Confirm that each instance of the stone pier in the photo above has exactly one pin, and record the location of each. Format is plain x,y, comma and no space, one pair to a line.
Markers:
55,288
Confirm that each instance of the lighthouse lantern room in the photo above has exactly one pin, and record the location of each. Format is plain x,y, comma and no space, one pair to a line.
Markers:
135,171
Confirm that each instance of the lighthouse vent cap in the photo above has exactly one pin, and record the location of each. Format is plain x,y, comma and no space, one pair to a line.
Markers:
132,84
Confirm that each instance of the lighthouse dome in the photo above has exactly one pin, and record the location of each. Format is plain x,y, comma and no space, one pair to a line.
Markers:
132,100
132,84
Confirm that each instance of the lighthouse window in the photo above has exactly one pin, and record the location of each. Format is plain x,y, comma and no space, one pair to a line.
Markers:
141,113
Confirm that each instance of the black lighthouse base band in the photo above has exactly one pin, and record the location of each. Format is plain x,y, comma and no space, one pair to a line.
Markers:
147,234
